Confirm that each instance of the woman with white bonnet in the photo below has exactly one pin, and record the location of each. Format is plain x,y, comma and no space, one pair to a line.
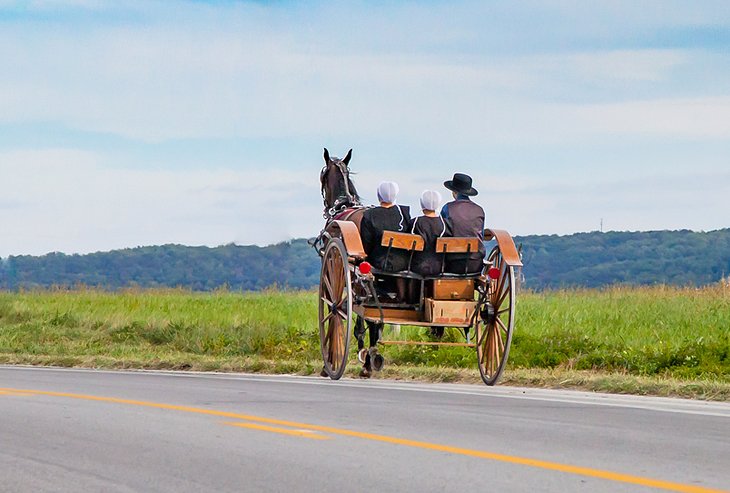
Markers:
430,226
388,216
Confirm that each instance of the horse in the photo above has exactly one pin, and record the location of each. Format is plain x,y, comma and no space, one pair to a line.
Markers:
342,202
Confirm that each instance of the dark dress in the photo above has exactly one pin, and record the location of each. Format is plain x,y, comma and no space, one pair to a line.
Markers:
467,221
374,222
428,262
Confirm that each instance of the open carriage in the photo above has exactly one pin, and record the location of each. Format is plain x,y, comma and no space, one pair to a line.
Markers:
352,293
484,302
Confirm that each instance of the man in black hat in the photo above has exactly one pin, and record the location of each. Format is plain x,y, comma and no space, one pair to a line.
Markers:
467,220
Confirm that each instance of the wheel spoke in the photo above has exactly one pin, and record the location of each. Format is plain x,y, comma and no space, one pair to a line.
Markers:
328,317
335,349
501,324
485,349
500,346
500,285
490,347
334,343
328,334
502,297
328,286
483,353
480,338
495,352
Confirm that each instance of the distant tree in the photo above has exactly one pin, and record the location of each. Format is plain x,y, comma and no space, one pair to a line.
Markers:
582,259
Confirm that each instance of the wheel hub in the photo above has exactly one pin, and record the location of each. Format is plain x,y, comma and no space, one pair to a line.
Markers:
489,315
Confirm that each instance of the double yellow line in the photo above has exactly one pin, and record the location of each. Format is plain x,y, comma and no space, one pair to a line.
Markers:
306,430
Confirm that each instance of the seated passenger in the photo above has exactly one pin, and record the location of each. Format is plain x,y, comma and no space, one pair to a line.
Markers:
467,220
386,217
430,226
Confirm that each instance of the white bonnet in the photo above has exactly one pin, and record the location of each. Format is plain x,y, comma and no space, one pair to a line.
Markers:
430,200
387,191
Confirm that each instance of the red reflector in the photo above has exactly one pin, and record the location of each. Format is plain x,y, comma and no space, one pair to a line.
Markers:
493,273
365,267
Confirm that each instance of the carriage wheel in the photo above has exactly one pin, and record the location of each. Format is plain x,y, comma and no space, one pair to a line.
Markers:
495,323
335,309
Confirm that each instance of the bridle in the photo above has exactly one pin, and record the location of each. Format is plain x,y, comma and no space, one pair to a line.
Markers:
342,201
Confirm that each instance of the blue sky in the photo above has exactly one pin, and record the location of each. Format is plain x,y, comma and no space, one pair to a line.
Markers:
135,123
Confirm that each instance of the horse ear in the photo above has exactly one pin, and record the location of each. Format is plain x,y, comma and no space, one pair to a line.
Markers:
326,155
348,157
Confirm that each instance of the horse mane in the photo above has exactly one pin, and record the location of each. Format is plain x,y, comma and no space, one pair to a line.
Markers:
353,190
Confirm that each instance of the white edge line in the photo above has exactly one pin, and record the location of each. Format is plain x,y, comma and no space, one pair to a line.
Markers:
651,403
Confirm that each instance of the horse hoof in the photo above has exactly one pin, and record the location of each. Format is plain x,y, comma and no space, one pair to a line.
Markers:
364,373
376,359
378,362
323,373
362,355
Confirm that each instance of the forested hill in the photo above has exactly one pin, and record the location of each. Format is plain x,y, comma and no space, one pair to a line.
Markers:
583,259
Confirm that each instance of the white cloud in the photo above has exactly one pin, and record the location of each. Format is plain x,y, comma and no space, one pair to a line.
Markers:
697,118
68,200
625,65
238,79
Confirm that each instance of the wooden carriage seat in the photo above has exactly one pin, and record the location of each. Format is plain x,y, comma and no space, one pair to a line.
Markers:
456,245
403,241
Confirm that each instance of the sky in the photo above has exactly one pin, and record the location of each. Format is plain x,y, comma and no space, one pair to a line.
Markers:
128,123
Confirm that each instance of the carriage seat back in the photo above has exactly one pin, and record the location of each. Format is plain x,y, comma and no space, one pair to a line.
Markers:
403,241
457,245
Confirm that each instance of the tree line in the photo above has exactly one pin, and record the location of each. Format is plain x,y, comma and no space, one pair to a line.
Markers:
551,261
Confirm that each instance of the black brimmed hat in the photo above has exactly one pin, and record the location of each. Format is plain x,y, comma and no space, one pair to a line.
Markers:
461,183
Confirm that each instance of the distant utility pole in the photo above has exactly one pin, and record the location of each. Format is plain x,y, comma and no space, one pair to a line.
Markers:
601,225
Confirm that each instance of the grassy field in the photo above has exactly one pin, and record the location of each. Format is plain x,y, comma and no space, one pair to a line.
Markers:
660,340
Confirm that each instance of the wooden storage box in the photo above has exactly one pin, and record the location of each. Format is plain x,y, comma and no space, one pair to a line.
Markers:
449,312
453,289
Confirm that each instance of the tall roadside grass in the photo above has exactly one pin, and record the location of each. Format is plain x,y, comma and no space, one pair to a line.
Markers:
159,328
657,332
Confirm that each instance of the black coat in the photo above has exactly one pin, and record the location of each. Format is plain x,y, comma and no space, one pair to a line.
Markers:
428,262
376,220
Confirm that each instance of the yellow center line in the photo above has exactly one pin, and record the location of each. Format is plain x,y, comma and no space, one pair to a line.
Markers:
299,433
14,392
541,464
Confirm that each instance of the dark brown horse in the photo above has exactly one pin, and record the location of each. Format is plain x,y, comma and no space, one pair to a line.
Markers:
342,202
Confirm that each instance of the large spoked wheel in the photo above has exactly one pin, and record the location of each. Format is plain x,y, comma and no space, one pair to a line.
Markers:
495,323
335,309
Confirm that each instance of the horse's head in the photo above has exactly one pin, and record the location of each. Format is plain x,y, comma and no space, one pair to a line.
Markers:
337,187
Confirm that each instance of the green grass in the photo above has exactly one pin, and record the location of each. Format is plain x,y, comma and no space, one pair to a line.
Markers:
661,340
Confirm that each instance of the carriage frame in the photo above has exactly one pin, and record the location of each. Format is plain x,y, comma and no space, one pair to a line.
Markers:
347,291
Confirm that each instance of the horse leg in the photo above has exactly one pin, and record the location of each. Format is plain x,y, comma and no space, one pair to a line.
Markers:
374,357
359,330
370,357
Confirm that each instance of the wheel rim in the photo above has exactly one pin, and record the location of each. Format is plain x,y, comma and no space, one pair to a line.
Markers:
496,322
335,309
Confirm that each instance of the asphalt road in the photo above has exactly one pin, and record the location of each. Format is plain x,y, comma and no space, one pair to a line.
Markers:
76,430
